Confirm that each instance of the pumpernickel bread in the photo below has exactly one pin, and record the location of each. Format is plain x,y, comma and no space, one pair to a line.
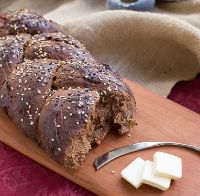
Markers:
52,88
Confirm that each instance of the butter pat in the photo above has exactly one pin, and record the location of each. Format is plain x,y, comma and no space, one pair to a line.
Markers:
167,165
149,178
133,172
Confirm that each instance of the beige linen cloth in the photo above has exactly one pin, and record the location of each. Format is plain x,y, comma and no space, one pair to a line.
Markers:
154,49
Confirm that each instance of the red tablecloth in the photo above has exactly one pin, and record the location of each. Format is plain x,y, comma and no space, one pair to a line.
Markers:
20,176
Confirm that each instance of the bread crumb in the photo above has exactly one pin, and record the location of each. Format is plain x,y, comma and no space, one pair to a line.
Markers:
113,171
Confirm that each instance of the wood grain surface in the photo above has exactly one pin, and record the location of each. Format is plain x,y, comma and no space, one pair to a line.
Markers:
158,119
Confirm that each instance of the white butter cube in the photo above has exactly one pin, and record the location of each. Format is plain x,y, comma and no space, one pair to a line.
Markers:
133,172
153,180
167,165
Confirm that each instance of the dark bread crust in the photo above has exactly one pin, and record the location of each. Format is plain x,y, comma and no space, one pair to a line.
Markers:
27,21
11,53
25,91
56,46
63,119
53,89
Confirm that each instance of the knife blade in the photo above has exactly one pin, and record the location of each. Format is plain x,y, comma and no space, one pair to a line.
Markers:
118,152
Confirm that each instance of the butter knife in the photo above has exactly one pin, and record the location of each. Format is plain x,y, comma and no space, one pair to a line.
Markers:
111,155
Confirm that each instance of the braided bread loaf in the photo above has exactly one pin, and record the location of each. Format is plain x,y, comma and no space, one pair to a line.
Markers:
52,88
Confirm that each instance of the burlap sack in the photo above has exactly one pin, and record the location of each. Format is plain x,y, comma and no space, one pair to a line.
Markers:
153,49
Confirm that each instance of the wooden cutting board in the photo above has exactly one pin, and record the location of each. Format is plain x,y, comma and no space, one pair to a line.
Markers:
158,119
